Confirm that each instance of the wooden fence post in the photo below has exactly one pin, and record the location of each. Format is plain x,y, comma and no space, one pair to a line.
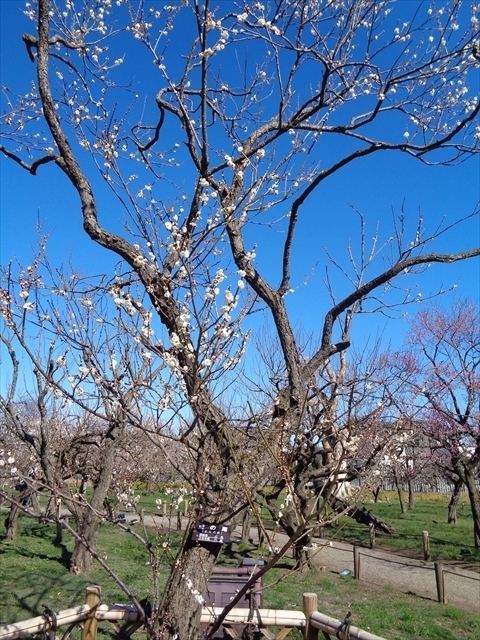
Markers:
310,605
372,535
441,595
185,508
356,562
91,623
426,545
179,520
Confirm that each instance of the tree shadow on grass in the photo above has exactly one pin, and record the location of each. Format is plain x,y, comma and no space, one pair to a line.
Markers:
33,591
63,559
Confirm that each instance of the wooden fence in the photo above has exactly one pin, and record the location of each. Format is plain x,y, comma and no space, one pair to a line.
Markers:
438,569
87,616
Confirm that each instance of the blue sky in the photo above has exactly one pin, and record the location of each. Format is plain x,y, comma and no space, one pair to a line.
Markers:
376,186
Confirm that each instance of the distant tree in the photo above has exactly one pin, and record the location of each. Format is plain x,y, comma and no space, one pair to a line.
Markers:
442,369
237,126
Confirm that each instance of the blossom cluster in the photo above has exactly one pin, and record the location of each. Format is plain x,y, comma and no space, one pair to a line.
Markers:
7,463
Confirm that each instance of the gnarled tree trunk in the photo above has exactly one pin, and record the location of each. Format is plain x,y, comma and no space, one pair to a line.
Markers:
11,523
187,585
88,517
454,500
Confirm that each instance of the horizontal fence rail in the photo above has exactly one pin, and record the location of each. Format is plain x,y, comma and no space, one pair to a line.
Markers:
338,629
40,624
44,623
309,621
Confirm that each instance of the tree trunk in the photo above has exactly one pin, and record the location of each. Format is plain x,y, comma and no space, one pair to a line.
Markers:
246,524
474,496
59,530
11,523
87,528
179,615
398,484
411,494
88,518
454,500
303,562
35,502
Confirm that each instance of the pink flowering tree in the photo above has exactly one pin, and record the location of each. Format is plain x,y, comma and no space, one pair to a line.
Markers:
236,128
442,370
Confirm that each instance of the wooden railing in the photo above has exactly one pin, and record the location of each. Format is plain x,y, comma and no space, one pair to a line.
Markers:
310,621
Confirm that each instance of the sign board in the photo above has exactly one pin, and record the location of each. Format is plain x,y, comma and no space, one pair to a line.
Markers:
206,532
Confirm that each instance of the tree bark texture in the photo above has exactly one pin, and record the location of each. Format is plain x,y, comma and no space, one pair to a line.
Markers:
187,585
411,494
88,517
474,496
398,484
11,523
454,500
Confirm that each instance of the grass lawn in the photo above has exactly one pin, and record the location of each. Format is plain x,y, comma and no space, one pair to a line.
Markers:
34,573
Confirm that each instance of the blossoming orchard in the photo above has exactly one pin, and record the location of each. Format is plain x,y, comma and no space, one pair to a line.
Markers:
201,146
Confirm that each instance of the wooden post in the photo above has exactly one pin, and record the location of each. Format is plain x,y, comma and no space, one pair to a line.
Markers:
372,535
179,520
164,509
356,562
426,545
90,625
441,595
310,605
185,508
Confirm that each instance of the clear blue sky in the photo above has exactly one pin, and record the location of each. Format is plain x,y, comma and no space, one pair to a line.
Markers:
376,187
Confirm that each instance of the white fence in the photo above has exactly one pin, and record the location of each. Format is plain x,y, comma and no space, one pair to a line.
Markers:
435,485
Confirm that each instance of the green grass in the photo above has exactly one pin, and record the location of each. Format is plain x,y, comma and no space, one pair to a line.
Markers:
34,573
382,611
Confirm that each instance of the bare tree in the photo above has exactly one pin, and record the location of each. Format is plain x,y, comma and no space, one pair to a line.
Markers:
88,382
241,123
